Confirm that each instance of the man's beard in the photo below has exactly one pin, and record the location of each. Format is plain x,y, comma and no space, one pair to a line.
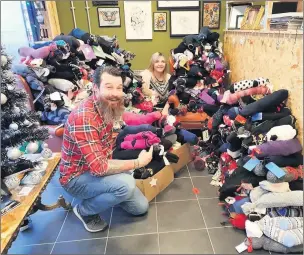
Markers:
110,112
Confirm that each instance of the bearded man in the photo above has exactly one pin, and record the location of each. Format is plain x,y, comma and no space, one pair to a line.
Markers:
87,171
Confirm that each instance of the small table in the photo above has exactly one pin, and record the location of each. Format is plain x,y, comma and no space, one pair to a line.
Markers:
11,222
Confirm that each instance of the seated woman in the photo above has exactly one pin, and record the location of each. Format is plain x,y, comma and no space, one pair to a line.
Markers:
155,80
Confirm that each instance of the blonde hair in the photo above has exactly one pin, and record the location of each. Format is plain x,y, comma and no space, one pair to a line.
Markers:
153,60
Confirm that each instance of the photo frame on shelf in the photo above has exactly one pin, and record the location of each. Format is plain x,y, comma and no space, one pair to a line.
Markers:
239,19
160,21
171,5
211,14
138,20
234,11
253,17
104,3
184,22
108,16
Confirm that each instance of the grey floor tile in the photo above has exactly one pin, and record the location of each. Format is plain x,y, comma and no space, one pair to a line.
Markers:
96,246
206,190
185,242
51,195
179,189
193,172
212,212
141,244
182,173
225,240
183,215
33,249
45,228
73,228
125,224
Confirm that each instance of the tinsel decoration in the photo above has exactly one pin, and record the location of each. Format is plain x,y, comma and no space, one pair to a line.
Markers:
14,114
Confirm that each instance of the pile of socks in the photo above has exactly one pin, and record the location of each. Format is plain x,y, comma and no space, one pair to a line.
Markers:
198,74
59,72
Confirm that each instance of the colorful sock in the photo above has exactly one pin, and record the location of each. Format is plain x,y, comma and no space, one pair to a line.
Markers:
275,187
268,244
289,238
283,223
292,174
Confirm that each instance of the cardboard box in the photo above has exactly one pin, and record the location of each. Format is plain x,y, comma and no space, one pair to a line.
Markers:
163,178
184,155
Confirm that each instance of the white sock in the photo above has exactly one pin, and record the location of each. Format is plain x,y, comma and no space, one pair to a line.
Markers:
275,187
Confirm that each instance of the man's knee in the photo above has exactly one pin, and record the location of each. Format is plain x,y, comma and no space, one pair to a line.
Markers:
142,208
127,187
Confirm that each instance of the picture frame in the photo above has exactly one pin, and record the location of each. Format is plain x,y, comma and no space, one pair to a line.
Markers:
174,5
211,14
253,17
184,22
239,19
138,20
105,2
159,21
234,11
108,17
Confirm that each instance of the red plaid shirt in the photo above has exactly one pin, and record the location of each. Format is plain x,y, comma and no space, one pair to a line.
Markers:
87,143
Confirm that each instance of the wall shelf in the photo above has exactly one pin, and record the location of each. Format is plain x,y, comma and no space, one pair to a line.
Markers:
291,32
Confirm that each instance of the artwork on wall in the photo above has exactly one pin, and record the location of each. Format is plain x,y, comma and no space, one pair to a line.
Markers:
138,20
178,5
211,14
184,23
102,3
160,21
108,16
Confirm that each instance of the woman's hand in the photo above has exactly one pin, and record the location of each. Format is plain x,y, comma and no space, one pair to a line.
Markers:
145,157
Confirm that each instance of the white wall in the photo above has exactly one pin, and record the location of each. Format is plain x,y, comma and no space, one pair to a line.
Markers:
13,32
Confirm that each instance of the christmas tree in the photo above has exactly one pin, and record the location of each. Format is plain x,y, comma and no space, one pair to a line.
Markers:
20,128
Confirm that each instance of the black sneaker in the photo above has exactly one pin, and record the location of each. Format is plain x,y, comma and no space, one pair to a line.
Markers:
92,223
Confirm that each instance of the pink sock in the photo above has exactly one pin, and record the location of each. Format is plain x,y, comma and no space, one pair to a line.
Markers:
139,144
133,119
140,135
154,140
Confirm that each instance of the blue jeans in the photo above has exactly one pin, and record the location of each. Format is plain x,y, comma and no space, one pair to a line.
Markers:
101,193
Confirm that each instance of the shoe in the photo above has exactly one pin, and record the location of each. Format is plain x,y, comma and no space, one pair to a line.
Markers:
26,224
92,223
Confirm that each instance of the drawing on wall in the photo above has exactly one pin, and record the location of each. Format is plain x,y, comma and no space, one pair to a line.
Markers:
211,14
178,4
160,21
138,20
108,16
184,23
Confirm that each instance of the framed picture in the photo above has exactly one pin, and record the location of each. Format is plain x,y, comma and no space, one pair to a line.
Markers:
167,5
104,2
184,23
108,16
138,20
236,10
211,14
239,19
160,21
253,17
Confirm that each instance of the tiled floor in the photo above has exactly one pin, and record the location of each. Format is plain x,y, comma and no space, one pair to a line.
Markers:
178,222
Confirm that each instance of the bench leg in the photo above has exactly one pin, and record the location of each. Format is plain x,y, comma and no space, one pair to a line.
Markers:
60,203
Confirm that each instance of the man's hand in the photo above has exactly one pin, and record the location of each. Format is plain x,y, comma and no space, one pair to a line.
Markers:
145,157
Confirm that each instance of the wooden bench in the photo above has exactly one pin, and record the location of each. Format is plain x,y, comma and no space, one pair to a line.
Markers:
11,222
